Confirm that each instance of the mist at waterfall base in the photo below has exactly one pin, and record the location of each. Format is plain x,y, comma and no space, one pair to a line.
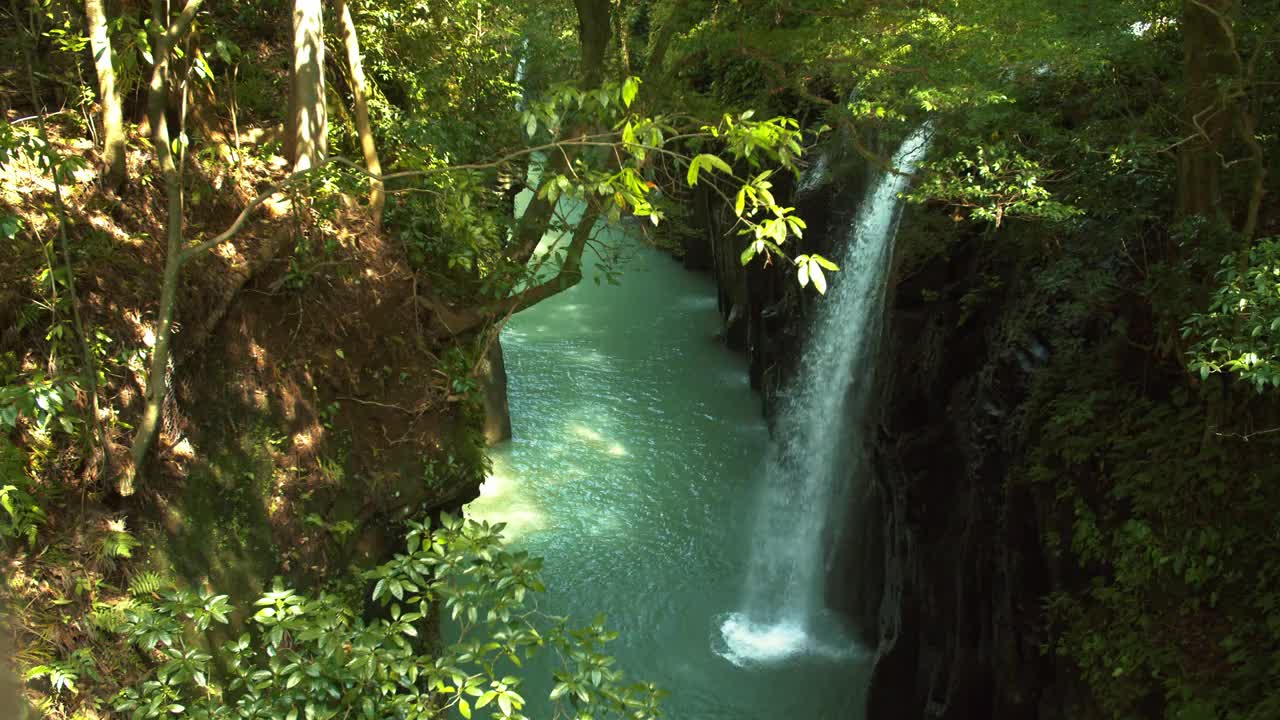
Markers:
815,450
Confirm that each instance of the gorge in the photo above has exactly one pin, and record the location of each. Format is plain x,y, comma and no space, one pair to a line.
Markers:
300,421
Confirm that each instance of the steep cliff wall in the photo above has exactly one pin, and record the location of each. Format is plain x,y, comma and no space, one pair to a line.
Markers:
942,565
964,569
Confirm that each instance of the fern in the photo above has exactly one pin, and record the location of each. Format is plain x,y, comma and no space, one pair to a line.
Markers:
64,674
110,617
117,545
147,583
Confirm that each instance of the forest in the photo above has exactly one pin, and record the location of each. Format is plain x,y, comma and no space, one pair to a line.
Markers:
881,359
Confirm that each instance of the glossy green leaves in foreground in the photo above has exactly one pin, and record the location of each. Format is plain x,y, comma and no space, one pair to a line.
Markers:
636,143
315,658
1240,334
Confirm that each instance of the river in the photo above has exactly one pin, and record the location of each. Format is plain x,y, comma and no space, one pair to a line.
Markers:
634,471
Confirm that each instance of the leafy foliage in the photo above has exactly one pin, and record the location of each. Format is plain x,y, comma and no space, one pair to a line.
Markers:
1240,334
321,657
1185,612
20,514
62,675
995,182
615,161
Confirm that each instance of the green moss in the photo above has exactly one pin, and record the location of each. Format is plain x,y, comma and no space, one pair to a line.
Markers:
219,530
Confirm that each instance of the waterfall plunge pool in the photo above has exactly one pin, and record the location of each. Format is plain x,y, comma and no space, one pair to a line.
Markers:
635,471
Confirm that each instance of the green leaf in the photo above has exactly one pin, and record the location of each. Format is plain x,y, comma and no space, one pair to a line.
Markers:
9,226
717,163
825,263
464,707
630,87
740,203
819,280
531,125
692,177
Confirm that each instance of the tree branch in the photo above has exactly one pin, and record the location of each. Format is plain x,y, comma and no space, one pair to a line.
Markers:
570,273
296,178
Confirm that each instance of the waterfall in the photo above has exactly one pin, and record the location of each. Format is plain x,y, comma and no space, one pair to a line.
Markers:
814,449
522,71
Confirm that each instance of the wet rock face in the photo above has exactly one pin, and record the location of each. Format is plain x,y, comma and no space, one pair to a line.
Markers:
941,567
958,629
763,310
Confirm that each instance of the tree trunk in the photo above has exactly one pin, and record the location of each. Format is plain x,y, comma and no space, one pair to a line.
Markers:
594,29
360,93
623,30
90,366
309,121
658,48
113,150
157,100
1208,62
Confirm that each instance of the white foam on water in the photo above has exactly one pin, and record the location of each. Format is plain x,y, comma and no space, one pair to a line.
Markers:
746,643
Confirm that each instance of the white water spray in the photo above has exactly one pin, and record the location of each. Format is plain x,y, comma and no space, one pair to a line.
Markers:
522,71
812,452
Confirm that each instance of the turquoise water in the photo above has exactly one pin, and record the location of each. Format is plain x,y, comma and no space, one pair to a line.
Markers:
635,471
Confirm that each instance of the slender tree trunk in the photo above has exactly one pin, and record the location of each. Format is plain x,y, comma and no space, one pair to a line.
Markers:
1208,62
594,30
309,119
360,93
158,98
113,150
90,365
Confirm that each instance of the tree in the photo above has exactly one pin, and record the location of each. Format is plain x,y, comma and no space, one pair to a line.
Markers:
166,38
113,140
308,110
594,30
360,96
1219,107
